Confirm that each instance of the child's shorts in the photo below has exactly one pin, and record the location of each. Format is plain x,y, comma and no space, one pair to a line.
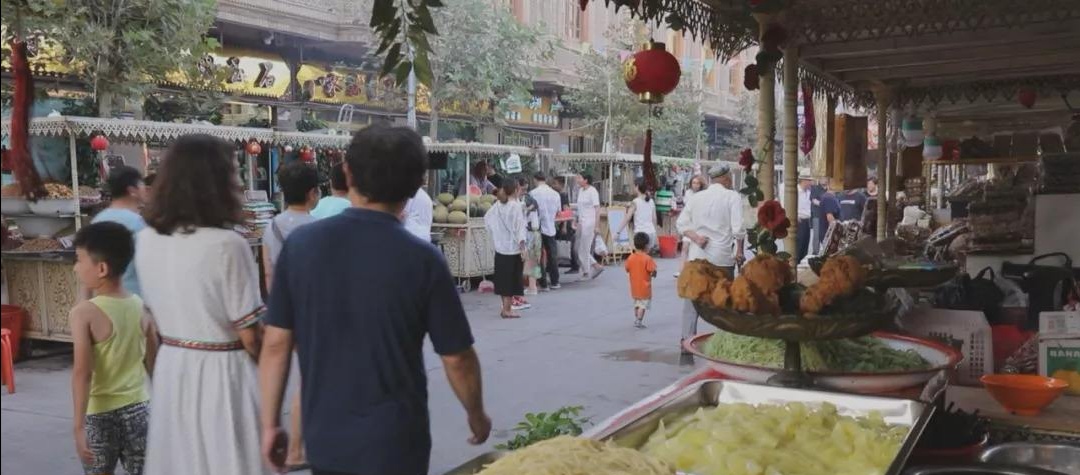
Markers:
117,436
642,304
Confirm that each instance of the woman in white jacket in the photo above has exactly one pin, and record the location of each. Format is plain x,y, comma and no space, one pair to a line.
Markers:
505,222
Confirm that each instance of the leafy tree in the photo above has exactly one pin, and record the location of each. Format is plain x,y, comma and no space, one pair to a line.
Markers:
483,61
121,46
602,96
742,133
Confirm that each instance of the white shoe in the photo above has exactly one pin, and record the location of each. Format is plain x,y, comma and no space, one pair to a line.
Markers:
523,306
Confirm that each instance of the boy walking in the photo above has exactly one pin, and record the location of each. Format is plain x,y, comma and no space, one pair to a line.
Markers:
115,344
642,270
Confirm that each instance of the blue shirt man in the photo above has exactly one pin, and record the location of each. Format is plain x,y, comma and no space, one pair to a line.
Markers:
338,201
125,186
829,212
358,294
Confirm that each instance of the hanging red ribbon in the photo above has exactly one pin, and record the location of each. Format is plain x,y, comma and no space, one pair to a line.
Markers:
23,97
647,169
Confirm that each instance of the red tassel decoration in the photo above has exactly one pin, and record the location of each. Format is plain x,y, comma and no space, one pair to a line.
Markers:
23,97
647,169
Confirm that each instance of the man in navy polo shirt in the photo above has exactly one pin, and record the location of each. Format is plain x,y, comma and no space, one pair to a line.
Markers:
357,293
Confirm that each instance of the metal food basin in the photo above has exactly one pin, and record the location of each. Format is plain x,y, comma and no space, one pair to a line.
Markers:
634,431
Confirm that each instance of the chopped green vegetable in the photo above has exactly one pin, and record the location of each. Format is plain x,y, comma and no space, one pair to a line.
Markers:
859,355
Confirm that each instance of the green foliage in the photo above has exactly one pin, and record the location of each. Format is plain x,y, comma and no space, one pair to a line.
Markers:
310,122
602,91
403,26
742,133
484,56
543,426
184,106
122,47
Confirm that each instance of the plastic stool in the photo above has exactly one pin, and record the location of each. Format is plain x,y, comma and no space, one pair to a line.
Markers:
8,364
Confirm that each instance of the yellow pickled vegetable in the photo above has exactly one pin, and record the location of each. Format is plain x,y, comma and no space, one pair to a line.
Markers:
793,439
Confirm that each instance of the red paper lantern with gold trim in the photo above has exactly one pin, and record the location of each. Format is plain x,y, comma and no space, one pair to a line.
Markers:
99,143
253,147
307,154
652,73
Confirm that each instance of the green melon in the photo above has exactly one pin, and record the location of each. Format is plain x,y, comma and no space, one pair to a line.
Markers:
458,217
487,199
458,205
445,199
484,207
440,214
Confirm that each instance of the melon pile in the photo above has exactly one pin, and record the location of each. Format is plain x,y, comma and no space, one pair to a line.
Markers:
448,209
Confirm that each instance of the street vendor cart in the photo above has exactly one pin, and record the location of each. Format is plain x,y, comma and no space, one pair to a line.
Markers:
38,274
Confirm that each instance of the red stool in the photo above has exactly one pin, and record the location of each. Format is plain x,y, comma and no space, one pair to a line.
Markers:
8,364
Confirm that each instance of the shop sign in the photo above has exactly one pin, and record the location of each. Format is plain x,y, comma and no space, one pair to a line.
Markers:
240,71
540,110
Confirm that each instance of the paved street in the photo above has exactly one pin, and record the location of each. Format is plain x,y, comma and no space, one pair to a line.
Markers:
576,346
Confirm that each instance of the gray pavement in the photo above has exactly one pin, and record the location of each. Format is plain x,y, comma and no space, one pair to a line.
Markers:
576,346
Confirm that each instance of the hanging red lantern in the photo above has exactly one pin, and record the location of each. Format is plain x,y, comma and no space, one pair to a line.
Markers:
1027,97
307,154
253,147
652,73
99,143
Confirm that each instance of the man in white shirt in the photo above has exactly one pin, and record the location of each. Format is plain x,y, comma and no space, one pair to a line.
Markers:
802,232
713,221
548,205
588,214
417,215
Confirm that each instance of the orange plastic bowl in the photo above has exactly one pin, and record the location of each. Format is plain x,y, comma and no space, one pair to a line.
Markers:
1023,394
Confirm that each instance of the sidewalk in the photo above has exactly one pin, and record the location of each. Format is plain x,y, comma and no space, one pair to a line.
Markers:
575,346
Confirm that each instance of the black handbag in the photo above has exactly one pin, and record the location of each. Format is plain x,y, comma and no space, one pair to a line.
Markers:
1047,286
972,293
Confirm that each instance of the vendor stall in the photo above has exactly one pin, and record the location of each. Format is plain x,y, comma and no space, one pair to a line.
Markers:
466,244
620,173
37,267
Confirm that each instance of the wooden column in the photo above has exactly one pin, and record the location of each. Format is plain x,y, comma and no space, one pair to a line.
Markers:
830,135
766,125
791,143
882,95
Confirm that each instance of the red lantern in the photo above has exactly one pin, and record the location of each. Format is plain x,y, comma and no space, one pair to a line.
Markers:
652,73
99,143
253,148
1027,97
307,154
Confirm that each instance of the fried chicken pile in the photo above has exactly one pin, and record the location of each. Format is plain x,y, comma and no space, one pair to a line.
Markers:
756,289
841,276
698,279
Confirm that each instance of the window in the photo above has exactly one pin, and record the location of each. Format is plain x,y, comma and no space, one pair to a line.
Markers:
575,22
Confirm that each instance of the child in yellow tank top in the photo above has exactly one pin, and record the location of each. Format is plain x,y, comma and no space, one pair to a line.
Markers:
115,344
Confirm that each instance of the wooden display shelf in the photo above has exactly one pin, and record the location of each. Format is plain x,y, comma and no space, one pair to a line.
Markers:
983,161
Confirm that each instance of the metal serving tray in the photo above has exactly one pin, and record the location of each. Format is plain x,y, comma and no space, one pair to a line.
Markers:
708,393
635,432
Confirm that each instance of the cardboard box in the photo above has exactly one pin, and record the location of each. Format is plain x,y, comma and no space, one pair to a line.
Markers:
1059,324
1060,358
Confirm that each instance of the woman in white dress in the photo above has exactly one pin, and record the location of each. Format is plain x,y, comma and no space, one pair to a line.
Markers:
697,183
201,283
588,214
643,212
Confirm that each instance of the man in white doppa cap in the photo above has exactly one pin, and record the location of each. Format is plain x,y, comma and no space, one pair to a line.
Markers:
713,221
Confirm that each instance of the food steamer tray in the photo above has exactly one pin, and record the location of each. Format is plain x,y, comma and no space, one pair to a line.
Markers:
635,432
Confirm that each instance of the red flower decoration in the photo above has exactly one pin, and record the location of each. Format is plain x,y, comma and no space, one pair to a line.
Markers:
746,159
771,216
751,77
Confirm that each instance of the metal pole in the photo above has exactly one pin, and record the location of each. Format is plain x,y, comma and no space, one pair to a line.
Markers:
75,178
410,116
791,144
882,96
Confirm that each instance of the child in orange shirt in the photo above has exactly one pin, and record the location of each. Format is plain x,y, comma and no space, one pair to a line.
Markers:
642,270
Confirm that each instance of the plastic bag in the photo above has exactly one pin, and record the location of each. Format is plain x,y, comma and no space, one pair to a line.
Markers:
599,248
972,293
1013,295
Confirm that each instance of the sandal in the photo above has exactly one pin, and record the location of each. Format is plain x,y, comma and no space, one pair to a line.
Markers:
509,316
